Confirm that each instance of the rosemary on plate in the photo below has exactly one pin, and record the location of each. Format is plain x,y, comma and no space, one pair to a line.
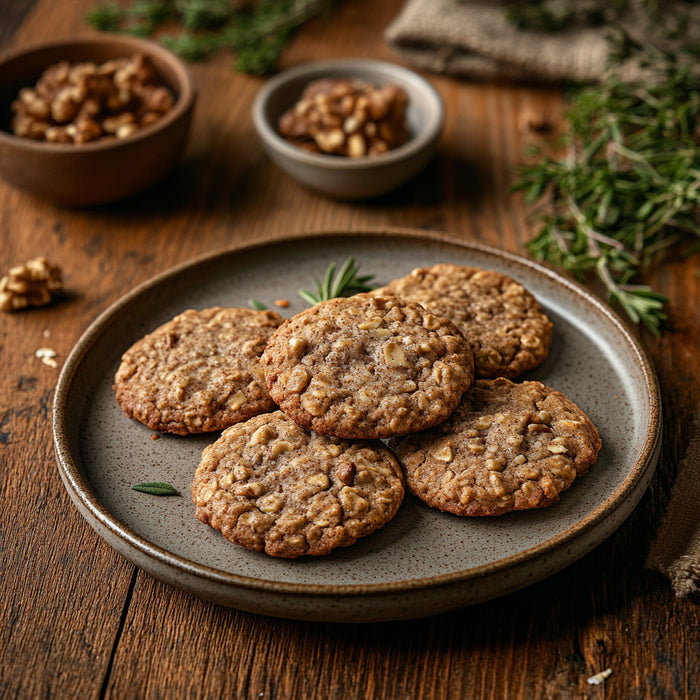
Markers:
255,30
344,283
156,488
257,305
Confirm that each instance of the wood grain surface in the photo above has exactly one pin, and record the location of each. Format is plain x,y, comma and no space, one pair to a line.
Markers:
79,621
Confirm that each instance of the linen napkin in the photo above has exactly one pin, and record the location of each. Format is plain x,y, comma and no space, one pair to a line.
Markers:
475,39
675,550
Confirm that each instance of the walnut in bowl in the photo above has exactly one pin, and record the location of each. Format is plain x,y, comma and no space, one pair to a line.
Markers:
86,101
74,135
345,117
321,158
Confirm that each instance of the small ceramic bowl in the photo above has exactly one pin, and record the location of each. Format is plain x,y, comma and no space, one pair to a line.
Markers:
103,170
340,176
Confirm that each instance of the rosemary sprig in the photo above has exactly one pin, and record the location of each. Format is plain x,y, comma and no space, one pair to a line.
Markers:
554,17
257,305
627,189
156,488
256,32
561,15
105,18
343,284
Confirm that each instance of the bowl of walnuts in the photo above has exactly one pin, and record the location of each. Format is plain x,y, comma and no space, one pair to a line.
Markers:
350,129
92,120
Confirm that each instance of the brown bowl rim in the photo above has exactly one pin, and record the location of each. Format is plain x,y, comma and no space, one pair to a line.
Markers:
183,104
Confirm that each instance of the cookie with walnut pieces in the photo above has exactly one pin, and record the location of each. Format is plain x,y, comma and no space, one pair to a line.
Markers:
269,485
367,367
505,325
507,447
199,372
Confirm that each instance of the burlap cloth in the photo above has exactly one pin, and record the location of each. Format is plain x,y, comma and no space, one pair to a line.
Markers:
475,39
676,549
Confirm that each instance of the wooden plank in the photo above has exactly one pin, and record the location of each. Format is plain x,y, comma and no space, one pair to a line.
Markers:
14,13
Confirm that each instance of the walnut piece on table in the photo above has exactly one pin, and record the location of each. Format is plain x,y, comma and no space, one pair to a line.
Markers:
36,283
347,117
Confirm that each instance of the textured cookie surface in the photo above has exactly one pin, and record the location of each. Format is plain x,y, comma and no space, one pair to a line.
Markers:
367,367
508,331
507,447
199,372
269,485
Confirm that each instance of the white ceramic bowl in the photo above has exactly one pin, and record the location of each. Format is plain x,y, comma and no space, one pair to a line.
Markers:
343,177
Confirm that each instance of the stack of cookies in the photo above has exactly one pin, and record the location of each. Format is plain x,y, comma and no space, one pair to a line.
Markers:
328,416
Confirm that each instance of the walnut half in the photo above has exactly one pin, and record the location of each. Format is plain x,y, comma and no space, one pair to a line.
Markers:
36,283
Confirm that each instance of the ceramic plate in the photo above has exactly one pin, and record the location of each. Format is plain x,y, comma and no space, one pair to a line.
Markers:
424,561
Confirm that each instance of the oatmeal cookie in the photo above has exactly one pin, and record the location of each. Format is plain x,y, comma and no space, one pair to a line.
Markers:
367,367
507,447
267,484
508,331
199,372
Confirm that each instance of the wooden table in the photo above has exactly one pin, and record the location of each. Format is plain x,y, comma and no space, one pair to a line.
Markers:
79,621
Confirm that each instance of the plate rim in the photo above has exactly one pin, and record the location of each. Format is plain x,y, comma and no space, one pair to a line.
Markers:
78,487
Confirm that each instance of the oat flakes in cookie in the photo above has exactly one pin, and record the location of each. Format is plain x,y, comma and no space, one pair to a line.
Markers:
199,372
367,367
269,485
507,447
505,325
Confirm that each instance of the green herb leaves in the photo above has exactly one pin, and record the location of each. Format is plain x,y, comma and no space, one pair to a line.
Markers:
627,188
255,32
156,488
346,283
257,305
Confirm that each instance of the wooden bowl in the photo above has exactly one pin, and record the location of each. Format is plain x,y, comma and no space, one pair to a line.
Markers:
103,170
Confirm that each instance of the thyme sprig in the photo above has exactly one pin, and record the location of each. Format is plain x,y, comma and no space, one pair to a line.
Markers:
343,284
627,189
256,32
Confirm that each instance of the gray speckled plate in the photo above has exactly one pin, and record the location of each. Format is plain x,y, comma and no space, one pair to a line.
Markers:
424,561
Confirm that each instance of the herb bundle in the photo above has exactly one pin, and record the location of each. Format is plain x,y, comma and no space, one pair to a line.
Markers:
256,31
627,188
